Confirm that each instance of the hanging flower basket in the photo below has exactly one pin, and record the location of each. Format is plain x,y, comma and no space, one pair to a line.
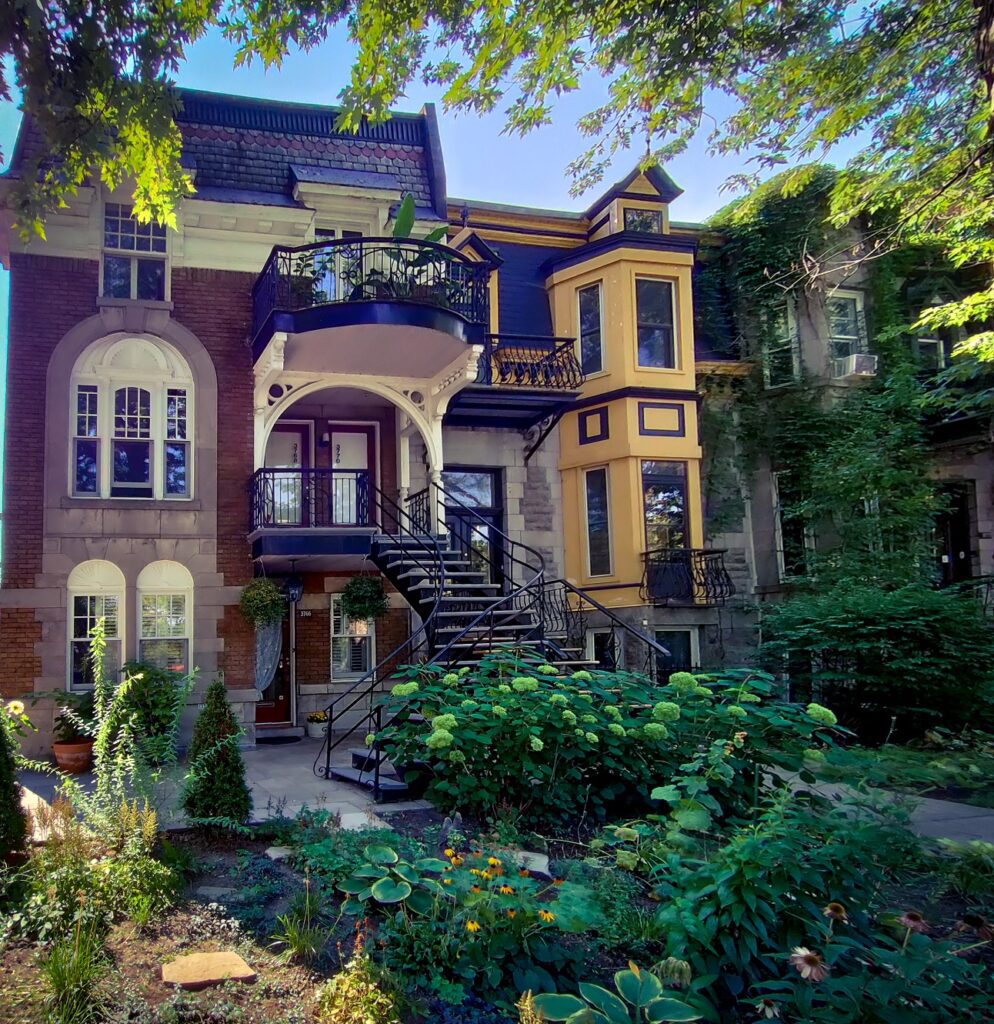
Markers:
263,602
364,598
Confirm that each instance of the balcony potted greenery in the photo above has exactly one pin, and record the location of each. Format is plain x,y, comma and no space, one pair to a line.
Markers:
73,732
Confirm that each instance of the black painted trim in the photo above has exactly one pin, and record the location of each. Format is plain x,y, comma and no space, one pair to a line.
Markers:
436,162
686,395
514,230
619,240
396,312
601,432
598,225
681,430
295,543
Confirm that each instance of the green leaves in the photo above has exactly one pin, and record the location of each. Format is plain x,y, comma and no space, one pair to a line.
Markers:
404,218
557,1007
389,890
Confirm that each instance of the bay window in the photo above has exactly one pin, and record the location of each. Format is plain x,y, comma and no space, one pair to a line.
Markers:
655,317
598,522
591,328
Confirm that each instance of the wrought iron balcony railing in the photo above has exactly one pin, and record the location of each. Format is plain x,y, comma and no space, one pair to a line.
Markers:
371,270
301,498
686,576
528,361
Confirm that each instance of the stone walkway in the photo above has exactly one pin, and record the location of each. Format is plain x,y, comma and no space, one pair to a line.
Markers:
281,779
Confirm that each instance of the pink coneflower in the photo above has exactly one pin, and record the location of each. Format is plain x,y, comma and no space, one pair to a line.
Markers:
768,1008
914,922
810,965
836,912
977,924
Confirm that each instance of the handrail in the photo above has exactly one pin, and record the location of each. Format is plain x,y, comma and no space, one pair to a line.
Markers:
653,646
692,575
428,543
524,360
292,498
368,269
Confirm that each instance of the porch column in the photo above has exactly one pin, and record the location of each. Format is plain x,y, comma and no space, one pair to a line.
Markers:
435,505
403,460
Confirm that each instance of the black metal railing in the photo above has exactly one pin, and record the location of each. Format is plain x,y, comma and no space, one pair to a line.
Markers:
565,611
520,360
371,270
301,498
686,576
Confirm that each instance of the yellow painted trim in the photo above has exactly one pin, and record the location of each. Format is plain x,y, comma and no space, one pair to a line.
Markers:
720,368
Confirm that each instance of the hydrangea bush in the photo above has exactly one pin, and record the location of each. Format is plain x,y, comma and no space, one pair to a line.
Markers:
555,745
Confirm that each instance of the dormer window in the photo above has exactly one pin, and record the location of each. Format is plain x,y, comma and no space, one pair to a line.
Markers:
134,263
643,221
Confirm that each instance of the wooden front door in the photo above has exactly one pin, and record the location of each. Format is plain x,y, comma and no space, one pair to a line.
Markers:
353,461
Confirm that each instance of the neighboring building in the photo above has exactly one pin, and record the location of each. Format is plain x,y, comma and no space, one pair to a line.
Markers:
280,387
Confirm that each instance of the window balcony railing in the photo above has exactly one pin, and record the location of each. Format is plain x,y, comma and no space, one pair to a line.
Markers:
686,576
527,361
346,270
302,498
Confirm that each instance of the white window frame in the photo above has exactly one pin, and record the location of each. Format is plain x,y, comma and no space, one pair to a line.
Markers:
590,648
599,285
172,580
675,311
809,534
857,342
102,581
134,255
695,644
107,383
782,343
940,348
610,533
333,636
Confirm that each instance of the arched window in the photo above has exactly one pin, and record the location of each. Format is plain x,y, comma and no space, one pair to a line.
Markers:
165,615
132,421
96,591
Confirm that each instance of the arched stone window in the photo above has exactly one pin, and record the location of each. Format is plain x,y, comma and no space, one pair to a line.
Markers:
165,615
95,592
131,420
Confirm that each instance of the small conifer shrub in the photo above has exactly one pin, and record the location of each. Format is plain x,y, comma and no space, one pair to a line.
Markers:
216,791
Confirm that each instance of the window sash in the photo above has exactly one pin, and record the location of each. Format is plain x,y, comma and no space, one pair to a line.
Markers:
598,509
643,221
781,351
655,327
664,504
352,644
684,655
164,616
591,328
85,610
793,537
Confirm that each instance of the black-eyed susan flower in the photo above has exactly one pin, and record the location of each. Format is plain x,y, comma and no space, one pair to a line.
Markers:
473,926
506,890
547,916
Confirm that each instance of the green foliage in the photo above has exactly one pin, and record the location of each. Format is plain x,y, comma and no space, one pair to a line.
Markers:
335,853
157,697
357,994
363,598
969,867
302,933
888,661
263,602
73,969
215,785
13,823
74,722
639,995
387,880
548,745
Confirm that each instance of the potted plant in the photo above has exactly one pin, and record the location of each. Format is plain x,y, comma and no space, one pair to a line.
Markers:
72,732
263,603
317,724
363,598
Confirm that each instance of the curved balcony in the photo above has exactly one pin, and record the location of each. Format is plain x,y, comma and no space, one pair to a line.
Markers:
370,281
688,576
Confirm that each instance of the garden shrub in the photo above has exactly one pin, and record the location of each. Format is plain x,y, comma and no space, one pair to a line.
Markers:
13,823
157,697
215,788
358,993
888,662
552,746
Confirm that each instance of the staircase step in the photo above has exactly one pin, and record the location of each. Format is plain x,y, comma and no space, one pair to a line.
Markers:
391,788
428,585
453,575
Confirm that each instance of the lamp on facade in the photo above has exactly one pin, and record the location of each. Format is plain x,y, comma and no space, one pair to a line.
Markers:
294,586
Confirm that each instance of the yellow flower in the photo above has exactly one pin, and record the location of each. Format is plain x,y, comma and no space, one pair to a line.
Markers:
547,916
15,707
524,872
475,871
512,913
457,862
486,876
450,852
472,926
494,862
446,881
476,888
506,890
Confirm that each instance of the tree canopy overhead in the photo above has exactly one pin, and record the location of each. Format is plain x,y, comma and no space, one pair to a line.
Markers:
909,82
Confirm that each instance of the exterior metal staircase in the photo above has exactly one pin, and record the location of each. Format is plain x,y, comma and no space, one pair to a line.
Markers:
472,599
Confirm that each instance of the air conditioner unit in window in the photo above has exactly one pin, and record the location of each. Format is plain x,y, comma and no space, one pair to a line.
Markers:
861,364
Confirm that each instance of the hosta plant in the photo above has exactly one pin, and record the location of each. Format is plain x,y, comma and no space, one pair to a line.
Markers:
638,996
387,880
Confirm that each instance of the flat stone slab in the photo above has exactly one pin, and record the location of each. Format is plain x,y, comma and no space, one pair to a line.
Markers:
355,820
219,894
538,862
279,852
201,970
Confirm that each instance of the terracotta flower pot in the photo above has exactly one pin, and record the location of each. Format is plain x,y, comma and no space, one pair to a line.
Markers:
75,758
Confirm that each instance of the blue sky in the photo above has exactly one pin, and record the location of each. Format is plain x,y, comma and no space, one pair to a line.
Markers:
480,162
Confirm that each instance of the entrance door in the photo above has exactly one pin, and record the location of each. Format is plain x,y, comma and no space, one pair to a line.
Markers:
954,534
353,458
289,448
478,490
274,707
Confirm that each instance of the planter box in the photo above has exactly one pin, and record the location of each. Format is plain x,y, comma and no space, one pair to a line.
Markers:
316,730
74,758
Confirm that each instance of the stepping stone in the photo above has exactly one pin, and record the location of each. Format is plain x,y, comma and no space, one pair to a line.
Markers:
200,970
538,862
355,820
278,852
219,894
